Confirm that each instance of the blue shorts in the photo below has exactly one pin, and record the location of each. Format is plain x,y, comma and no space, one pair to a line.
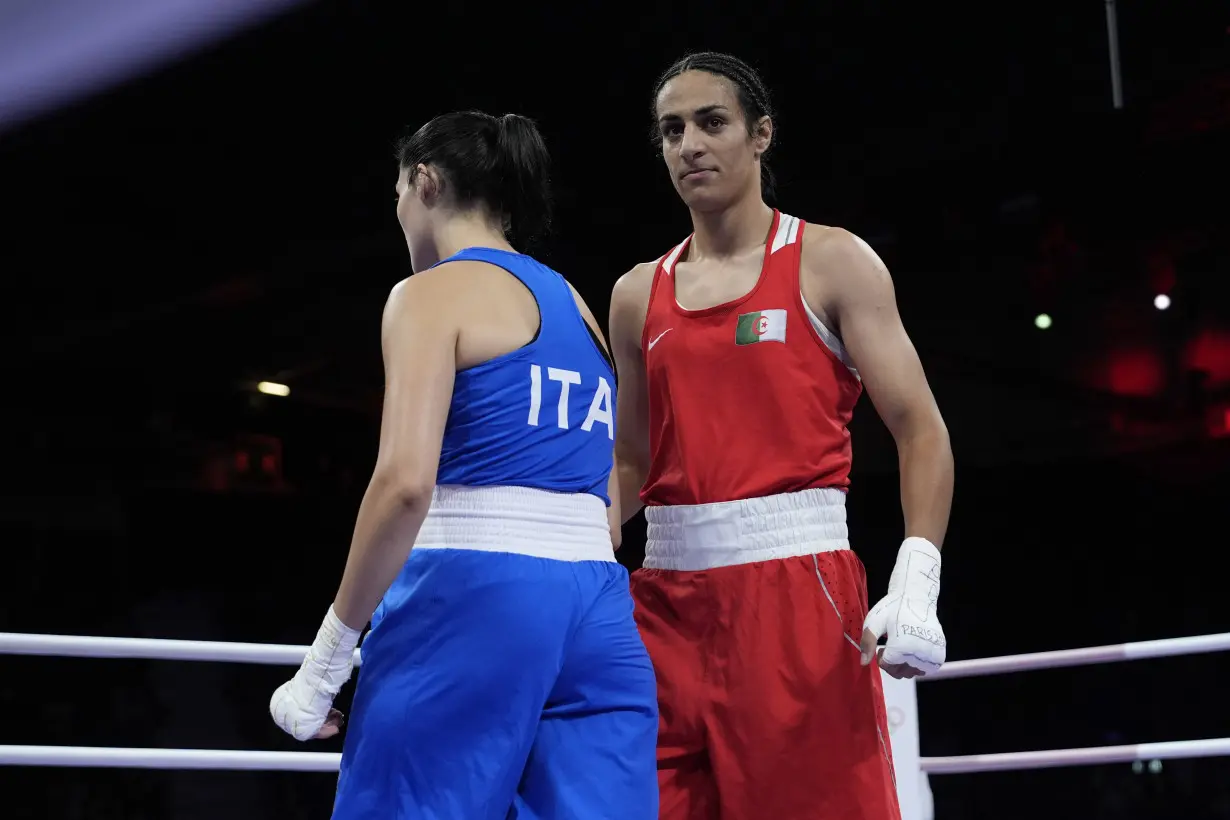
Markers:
496,685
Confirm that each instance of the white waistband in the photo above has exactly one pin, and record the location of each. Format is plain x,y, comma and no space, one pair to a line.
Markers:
522,520
706,536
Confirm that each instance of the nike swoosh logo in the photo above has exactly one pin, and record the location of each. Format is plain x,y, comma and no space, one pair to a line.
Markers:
659,336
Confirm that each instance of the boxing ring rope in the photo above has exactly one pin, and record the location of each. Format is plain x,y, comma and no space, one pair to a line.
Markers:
285,655
1137,651
104,757
186,759
153,649
84,646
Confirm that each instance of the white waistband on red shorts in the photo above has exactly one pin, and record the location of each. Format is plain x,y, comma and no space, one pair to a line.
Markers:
707,536
521,520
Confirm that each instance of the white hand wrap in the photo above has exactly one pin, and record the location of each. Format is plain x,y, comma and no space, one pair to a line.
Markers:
301,705
907,613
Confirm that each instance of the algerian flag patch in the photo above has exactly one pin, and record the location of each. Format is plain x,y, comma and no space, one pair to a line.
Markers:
761,326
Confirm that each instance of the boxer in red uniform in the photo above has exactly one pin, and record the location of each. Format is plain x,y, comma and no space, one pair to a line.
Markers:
741,354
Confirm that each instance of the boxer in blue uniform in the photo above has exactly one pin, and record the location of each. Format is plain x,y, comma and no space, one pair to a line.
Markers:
503,676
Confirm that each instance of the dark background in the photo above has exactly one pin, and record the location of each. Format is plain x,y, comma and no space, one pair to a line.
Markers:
229,218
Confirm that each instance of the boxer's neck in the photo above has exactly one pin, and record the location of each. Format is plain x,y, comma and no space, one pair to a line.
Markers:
467,231
730,231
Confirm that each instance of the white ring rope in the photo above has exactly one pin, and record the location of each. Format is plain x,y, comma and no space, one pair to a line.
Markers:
1140,650
184,759
14,643
82,646
1175,750
157,649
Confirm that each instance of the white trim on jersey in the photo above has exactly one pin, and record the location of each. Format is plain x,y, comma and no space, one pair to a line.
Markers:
787,233
830,340
668,262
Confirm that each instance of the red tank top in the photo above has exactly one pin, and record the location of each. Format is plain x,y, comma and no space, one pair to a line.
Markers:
745,398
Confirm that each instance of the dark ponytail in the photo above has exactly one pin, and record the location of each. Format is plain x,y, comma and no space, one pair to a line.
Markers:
526,178
501,165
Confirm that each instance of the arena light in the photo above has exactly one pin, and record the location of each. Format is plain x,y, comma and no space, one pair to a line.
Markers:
273,389
1161,301
1042,321
54,52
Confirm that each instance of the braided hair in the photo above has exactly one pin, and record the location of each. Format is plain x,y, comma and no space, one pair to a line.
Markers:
753,95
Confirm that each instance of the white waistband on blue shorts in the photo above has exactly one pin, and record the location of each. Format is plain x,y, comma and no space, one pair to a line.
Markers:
521,520
707,536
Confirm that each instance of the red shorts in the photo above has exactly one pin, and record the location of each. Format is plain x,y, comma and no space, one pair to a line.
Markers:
766,711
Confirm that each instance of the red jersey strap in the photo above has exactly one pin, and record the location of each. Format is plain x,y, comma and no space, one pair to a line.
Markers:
668,262
662,275
789,232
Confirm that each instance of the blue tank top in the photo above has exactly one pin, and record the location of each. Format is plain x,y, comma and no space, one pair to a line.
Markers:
542,416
